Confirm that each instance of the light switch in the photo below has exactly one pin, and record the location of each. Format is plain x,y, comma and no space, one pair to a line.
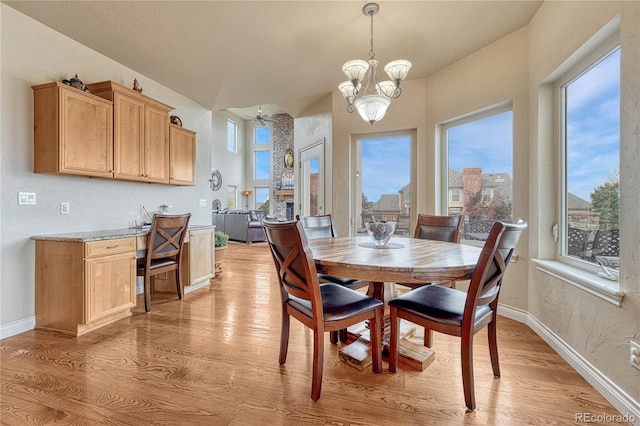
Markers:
26,198
202,203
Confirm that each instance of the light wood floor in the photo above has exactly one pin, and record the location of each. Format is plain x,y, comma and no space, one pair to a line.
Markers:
212,359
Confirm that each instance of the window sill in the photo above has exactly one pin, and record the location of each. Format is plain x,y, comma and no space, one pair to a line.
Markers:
602,288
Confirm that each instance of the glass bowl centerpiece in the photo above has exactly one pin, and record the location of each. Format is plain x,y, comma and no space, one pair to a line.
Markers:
380,232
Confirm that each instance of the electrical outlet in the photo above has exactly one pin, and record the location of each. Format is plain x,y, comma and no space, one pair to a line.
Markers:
634,355
65,208
202,203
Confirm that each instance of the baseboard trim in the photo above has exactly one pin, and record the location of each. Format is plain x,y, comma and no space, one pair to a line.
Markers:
17,327
610,391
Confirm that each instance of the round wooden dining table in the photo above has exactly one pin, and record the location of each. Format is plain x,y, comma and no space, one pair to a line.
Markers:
404,260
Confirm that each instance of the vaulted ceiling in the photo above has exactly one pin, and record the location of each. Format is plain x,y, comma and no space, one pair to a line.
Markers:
234,54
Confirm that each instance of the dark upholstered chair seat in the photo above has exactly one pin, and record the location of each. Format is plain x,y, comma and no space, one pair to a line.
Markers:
437,303
338,303
351,283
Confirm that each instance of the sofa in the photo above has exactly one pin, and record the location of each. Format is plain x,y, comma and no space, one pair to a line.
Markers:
240,225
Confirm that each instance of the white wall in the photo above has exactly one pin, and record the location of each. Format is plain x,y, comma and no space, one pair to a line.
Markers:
597,332
34,54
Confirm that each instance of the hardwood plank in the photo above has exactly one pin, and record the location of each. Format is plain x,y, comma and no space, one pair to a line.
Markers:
212,359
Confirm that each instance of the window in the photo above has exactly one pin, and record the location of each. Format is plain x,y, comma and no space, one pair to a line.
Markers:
262,199
478,166
589,98
232,145
383,180
262,163
262,135
232,196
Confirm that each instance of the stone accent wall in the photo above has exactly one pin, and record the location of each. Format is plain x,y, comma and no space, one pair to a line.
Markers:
282,140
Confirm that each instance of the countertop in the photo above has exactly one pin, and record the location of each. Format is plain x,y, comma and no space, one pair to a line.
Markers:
109,234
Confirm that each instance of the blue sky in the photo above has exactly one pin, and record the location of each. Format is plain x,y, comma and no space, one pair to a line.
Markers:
592,148
385,166
593,127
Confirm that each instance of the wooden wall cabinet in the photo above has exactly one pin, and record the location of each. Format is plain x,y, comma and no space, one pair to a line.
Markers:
182,144
81,286
140,133
72,131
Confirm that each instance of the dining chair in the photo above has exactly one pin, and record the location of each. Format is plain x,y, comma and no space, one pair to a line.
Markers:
456,313
326,307
440,228
323,227
163,253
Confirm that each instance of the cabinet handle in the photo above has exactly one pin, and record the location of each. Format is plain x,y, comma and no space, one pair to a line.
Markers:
112,247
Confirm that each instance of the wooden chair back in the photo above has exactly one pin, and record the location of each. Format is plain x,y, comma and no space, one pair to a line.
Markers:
486,281
317,226
441,228
166,237
294,262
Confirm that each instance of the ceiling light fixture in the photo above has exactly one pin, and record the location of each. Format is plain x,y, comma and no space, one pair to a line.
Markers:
375,99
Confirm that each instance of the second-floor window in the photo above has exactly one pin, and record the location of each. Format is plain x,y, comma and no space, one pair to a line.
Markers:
232,143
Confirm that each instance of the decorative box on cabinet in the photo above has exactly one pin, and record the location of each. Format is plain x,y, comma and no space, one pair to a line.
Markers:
72,131
140,133
182,143
81,286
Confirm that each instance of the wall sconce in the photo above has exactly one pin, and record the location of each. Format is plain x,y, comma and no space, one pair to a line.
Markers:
246,192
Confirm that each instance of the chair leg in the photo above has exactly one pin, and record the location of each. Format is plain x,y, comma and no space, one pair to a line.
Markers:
333,337
467,371
428,337
376,341
147,293
284,337
493,347
179,286
318,364
344,336
393,339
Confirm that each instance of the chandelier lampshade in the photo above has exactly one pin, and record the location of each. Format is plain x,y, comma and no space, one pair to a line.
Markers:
372,104
372,107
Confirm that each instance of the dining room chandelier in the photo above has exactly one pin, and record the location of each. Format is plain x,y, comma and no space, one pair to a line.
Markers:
373,102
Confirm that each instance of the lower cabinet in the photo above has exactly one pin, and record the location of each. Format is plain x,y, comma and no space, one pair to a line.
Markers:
81,286
199,255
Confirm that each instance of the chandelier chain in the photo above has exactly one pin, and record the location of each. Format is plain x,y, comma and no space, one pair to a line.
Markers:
372,54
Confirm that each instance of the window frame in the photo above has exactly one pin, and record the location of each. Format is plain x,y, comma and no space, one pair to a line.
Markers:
591,60
443,128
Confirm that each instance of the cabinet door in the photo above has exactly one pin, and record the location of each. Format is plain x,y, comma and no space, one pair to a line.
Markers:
86,129
200,256
182,143
110,285
128,137
156,148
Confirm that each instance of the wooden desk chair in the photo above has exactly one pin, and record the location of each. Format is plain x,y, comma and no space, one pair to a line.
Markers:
164,252
327,307
456,313
322,227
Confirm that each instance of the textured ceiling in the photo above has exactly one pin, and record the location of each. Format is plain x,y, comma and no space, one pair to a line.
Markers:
286,54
